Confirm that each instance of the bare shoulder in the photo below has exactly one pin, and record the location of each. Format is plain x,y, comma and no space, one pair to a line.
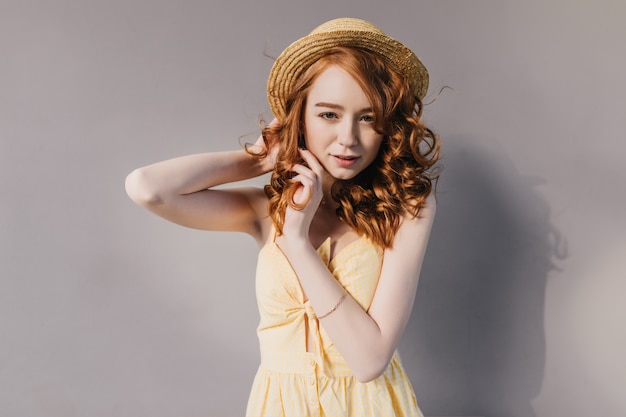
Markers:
411,239
421,223
429,209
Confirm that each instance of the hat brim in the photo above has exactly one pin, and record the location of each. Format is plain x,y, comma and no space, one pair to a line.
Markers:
298,56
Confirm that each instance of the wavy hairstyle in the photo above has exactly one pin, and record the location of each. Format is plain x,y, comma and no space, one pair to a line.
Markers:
400,178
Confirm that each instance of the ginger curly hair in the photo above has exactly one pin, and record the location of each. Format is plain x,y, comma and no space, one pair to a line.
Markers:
401,177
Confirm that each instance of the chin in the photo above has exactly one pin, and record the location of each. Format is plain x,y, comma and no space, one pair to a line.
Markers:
344,176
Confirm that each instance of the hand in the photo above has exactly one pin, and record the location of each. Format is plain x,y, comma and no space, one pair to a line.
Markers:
272,152
309,192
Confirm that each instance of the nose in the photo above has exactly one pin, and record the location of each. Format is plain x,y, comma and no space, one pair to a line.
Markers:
348,134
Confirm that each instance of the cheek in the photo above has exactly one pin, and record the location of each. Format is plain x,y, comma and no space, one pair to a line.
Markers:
315,134
375,144
309,126
374,149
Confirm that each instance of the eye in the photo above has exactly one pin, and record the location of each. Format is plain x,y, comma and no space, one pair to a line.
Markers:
367,118
328,115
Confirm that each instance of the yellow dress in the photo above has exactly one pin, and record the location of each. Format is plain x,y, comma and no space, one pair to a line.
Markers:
292,382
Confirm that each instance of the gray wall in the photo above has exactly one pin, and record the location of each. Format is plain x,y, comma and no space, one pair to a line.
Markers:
106,310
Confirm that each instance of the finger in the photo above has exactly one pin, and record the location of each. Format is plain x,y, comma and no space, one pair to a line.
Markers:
304,170
312,161
305,180
306,177
274,123
303,192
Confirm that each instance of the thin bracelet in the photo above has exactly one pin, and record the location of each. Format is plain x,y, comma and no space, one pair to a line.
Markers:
332,310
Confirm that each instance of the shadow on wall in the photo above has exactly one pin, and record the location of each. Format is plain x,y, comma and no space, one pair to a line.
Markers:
476,344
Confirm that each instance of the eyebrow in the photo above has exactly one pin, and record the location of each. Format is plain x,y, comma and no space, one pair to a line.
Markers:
340,107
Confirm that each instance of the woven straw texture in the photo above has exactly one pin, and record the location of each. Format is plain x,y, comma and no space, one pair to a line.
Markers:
349,32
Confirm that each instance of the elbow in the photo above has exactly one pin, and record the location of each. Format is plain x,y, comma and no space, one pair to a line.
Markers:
140,190
366,376
370,372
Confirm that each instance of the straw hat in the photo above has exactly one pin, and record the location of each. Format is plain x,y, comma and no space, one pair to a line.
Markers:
298,56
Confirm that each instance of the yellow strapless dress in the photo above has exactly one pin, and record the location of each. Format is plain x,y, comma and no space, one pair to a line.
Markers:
292,382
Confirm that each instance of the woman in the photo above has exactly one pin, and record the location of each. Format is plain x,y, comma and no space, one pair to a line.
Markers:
342,227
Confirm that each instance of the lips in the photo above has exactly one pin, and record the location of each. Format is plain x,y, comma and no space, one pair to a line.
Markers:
346,157
345,160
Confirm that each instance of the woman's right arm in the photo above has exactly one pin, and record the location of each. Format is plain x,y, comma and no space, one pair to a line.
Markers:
179,190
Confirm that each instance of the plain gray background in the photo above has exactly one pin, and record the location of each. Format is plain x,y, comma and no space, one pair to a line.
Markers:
106,310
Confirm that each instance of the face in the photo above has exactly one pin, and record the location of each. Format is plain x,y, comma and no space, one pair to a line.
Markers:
339,124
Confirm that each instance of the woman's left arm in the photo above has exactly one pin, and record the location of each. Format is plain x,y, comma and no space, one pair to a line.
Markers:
367,339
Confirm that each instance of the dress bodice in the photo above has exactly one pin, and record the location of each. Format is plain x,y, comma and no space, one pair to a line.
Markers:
285,314
292,381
